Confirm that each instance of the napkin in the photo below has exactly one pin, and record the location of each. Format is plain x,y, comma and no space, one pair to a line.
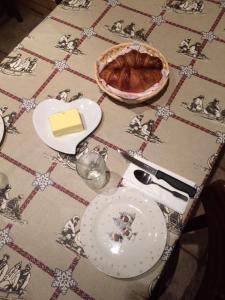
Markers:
157,193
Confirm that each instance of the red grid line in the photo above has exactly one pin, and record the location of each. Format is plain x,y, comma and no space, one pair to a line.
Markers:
217,20
81,293
210,79
194,125
56,294
28,199
45,83
65,23
106,39
55,185
106,143
10,95
102,97
52,167
37,55
45,268
101,16
17,163
81,75
176,90
135,10
70,193
74,263
19,114
31,258
143,146
145,14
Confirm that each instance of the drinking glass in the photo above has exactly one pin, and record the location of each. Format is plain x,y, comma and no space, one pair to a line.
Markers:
92,168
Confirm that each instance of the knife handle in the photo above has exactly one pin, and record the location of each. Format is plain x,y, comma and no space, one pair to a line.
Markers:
176,183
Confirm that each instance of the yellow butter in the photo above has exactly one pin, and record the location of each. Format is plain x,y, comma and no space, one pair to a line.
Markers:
66,122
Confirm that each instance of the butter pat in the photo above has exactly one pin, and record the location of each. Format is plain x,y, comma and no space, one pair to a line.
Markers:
66,122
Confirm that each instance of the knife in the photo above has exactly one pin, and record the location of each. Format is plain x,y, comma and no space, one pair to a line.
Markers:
174,182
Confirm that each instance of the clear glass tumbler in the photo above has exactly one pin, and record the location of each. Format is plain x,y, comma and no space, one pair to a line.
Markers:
92,168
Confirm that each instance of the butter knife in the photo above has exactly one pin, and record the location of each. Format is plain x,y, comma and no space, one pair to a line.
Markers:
174,182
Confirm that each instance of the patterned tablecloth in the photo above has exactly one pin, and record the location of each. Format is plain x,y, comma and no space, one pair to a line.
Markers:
39,259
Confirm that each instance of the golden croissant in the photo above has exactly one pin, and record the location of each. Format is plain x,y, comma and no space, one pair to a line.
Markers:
133,72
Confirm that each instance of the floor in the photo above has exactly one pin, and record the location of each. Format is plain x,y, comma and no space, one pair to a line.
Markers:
193,253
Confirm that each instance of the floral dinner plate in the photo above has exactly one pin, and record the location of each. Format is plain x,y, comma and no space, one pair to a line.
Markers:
2,129
123,232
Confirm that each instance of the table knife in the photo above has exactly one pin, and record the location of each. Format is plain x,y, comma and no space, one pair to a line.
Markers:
174,182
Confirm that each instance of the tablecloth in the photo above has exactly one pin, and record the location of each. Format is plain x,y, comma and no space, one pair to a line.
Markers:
184,133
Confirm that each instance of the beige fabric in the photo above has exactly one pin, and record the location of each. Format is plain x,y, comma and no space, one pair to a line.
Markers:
187,142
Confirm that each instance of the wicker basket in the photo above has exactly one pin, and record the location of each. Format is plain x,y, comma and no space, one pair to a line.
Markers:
113,51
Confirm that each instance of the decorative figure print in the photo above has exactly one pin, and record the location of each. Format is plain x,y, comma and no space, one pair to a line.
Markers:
210,162
123,223
69,160
185,6
64,96
70,236
193,50
9,120
143,130
69,45
211,110
128,31
76,4
13,281
4,266
10,207
16,66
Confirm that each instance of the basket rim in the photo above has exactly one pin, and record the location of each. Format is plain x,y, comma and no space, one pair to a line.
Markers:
138,99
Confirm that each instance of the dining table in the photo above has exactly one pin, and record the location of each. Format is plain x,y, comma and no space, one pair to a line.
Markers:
41,193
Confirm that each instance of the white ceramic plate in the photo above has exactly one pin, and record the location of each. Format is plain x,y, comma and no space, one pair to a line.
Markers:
2,129
123,232
91,115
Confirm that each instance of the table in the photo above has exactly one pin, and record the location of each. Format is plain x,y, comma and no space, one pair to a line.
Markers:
187,136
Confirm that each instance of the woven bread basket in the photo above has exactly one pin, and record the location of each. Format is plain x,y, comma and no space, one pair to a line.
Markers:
117,49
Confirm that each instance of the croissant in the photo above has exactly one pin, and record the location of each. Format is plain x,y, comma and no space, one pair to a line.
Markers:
133,72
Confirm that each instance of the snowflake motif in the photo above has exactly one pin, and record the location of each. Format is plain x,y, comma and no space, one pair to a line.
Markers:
222,4
4,237
42,180
63,280
187,70
220,137
113,3
164,112
158,20
209,36
28,104
18,47
133,153
88,32
167,252
60,65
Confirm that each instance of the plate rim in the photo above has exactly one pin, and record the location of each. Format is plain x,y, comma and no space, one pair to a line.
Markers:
117,190
2,126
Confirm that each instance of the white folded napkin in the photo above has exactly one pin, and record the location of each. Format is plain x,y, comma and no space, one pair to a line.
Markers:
159,194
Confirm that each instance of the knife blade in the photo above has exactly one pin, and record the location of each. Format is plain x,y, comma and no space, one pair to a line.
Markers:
174,182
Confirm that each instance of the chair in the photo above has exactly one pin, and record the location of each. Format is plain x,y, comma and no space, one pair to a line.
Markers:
213,284
10,7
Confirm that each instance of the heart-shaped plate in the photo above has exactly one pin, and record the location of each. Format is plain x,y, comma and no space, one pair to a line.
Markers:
91,115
